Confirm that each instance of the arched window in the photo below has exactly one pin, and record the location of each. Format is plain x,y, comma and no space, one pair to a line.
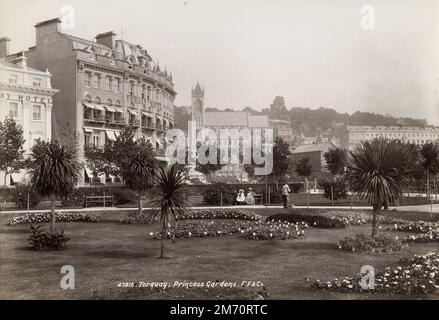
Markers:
87,98
97,100
109,102
117,103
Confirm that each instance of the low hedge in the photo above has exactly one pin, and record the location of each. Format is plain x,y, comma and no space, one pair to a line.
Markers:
318,221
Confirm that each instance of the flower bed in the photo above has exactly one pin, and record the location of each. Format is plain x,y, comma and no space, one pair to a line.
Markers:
318,221
419,276
275,231
220,214
204,228
432,236
356,217
44,217
415,226
198,214
364,243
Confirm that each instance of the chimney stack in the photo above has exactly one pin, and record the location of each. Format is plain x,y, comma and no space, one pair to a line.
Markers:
21,60
4,47
46,28
107,39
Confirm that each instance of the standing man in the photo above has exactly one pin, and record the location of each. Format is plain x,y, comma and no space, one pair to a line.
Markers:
285,194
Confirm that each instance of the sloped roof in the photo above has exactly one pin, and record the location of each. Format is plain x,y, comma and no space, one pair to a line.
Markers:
258,121
235,119
225,119
11,64
321,147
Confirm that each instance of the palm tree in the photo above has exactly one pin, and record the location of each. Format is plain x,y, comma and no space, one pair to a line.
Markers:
138,167
379,170
53,172
170,200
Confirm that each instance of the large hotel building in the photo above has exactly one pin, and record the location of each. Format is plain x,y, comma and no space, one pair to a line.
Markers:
352,135
26,95
104,85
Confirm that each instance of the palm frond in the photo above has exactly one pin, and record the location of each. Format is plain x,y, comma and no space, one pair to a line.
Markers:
169,193
380,169
53,169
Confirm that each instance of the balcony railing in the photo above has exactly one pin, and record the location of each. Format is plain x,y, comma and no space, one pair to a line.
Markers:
100,119
134,123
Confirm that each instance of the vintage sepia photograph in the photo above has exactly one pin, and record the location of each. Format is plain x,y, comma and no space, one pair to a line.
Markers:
246,150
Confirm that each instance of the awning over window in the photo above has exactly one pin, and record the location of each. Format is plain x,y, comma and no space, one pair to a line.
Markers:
99,107
146,114
120,110
133,112
88,105
87,130
111,109
110,135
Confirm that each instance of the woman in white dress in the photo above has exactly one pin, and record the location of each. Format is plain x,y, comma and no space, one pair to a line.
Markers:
250,199
240,199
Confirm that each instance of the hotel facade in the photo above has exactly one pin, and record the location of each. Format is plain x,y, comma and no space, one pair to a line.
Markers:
26,96
352,135
104,85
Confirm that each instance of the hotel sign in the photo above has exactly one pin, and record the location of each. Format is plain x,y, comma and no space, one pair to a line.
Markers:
26,98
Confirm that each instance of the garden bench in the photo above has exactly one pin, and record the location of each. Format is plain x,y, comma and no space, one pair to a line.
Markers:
95,200
258,196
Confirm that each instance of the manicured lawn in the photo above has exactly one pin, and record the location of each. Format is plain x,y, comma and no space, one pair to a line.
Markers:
106,253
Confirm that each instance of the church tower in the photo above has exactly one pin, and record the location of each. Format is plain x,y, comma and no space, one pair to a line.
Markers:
198,105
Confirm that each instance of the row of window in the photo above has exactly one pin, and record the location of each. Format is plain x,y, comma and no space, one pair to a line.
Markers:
13,79
111,84
431,135
13,111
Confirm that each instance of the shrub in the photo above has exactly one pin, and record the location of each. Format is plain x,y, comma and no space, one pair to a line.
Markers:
418,276
213,195
44,217
41,239
19,195
123,196
318,221
275,231
365,243
339,189
296,187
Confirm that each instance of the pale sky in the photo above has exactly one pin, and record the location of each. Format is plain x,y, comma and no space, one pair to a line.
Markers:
246,52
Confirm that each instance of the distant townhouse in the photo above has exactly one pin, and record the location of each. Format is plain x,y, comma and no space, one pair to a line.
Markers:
26,95
104,85
315,153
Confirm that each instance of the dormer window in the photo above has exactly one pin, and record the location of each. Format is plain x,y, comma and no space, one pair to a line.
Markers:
36,82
